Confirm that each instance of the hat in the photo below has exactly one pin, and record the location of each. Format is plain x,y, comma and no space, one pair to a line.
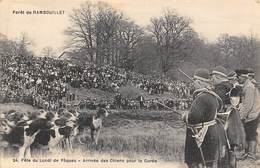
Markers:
250,71
202,74
220,70
242,72
232,75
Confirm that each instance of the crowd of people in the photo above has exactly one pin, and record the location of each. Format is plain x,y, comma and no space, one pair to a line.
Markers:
153,104
155,85
44,82
122,103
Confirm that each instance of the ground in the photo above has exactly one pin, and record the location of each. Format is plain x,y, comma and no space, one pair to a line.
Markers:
134,133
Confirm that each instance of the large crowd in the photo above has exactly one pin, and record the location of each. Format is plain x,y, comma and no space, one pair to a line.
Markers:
44,82
158,85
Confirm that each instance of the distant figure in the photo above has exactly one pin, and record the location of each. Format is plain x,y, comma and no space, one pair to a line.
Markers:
118,99
141,101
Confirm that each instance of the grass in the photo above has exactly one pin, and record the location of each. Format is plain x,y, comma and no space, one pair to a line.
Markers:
128,134
151,146
135,133
132,133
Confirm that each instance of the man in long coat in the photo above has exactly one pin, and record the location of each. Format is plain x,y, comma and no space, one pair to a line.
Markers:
229,114
205,137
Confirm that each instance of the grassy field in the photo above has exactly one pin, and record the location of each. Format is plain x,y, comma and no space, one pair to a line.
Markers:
131,134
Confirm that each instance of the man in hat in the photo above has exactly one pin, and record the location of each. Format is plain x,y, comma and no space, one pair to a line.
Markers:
221,84
251,76
232,77
205,137
249,112
228,115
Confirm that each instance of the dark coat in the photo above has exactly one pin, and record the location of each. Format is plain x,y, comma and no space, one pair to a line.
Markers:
203,109
222,89
235,129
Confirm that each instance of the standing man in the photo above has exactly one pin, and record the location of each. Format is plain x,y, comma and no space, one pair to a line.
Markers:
249,112
205,137
141,101
251,76
221,84
118,100
228,115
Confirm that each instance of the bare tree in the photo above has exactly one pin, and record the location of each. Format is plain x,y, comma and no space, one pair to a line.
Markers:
129,37
146,60
82,30
107,24
103,33
93,27
173,36
238,51
10,49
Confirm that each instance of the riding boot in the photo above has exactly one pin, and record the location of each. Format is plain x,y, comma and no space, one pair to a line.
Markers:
252,150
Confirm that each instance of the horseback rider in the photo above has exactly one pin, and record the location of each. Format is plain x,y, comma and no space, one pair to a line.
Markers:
249,112
205,136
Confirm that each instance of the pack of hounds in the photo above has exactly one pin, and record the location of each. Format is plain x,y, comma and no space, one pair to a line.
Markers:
42,133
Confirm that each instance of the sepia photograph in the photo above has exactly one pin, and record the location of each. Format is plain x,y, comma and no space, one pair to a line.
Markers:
129,83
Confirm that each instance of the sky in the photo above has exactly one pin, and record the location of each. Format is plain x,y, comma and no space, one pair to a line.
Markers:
211,18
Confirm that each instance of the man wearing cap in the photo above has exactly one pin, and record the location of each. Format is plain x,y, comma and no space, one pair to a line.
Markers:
205,138
232,77
249,112
228,115
251,76
221,84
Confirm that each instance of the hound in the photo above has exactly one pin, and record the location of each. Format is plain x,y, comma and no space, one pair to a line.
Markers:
18,133
92,121
68,127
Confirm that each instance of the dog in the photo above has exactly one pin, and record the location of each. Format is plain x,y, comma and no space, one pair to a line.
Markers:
4,129
91,121
39,131
64,127
46,123
59,135
13,125
37,124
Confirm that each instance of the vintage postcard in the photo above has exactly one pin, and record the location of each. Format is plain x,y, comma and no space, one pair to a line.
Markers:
129,83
